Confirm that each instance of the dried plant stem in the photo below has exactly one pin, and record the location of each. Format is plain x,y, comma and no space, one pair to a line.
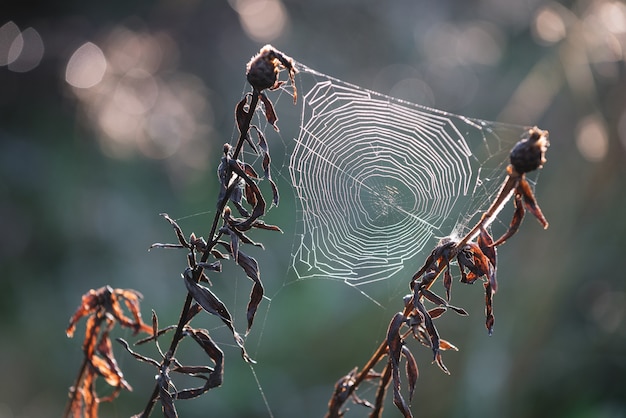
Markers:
213,239
74,388
503,197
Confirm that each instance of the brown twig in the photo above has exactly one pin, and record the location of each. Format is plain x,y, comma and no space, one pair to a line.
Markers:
527,155
262,73
213,238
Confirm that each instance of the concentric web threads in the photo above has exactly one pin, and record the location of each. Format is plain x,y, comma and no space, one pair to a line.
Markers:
377,177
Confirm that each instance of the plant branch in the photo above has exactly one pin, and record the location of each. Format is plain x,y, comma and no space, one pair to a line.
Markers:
212,239
527,155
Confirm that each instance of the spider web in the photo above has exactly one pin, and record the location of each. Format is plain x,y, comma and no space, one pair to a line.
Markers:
376,178
377,181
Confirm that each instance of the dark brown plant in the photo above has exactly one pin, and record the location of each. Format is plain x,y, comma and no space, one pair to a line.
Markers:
475,256
229,234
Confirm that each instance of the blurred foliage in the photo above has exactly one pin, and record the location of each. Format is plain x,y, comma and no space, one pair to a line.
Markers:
90,154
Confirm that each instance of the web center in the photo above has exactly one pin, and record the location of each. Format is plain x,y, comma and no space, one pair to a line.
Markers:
386,200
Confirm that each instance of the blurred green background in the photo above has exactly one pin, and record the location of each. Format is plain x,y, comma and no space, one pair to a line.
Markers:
112,112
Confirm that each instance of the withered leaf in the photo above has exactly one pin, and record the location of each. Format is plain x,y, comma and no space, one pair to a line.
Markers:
486,244
259,208
155,325
191,393
131,300
167,403
262,141
433,335
195,371
214,266
234,243
412,371
213,305
447,282
159,333
434,298
214,352
266,165
137,355
531,203
446,345
472,259
262,225
179,232
249,170
250,196
207,299
458,310
276,196
198,243
395,344
490,319
241,115
251,267
439,361
436,312
217,254
164,245
516,221
438,300
110,369
87,306
233,232
270,113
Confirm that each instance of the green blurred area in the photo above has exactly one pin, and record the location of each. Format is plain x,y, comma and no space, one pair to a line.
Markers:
86,168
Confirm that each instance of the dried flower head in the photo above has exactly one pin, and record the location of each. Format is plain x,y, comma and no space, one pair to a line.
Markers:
529,153
263,69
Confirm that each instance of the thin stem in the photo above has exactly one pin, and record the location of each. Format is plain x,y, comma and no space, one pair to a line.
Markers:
503,197
212,241
74,389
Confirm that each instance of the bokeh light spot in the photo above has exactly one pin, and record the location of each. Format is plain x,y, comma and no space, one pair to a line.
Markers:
549,27
9,33
480,43
28,49
613,16
86,66
16,48
136,91
262,20
592,138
